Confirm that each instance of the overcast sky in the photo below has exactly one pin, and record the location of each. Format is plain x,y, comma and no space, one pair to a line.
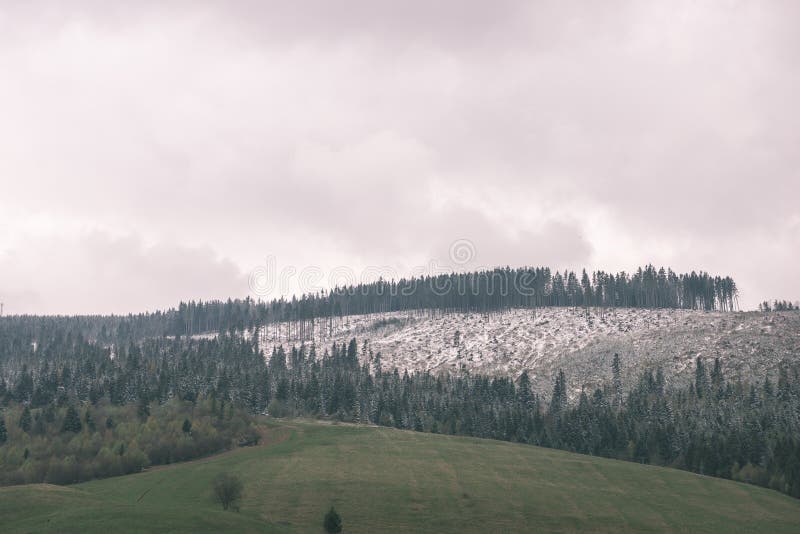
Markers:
150,154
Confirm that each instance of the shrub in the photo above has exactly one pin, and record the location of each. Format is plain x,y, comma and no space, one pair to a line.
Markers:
227,490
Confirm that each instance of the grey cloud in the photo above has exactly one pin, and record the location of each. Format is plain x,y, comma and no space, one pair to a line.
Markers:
376,132
556,244
97,273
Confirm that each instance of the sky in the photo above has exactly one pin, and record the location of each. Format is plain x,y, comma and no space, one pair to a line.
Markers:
152,152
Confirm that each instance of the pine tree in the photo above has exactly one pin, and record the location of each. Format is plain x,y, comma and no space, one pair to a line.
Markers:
716,375
558,401
617,380
524,390
3,431
333,522
187,426
72,421
700,379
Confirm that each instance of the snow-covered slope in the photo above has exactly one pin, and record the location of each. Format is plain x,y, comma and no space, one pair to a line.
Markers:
582,342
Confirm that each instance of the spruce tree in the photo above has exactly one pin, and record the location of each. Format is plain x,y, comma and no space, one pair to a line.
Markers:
617,380
333,522
716,375
72,421
25,420
559,399
524,390
3,431
700,379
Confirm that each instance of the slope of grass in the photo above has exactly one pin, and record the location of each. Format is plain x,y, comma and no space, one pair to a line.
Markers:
384,480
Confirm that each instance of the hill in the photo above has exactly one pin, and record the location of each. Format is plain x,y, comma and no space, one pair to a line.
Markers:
385,480
580,341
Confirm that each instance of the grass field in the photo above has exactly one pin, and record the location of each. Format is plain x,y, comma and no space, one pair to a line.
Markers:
384,480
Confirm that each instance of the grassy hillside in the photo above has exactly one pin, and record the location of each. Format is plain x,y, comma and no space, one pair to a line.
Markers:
384,480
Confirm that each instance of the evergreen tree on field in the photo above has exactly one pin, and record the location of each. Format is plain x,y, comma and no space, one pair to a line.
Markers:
25,420
72,421
3,431
333,522
187,426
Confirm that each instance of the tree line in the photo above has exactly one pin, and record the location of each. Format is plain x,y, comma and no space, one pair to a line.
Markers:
489,291
778,305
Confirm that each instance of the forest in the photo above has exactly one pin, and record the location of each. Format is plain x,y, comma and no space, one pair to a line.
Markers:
62,441
717,426
483,292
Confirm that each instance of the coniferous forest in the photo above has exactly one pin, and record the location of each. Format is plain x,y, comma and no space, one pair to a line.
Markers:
75,407
483,292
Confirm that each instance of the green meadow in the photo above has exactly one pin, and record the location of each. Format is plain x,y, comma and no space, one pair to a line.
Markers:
386,480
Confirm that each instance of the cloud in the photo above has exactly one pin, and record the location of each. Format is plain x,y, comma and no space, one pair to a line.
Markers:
96,273
377,133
